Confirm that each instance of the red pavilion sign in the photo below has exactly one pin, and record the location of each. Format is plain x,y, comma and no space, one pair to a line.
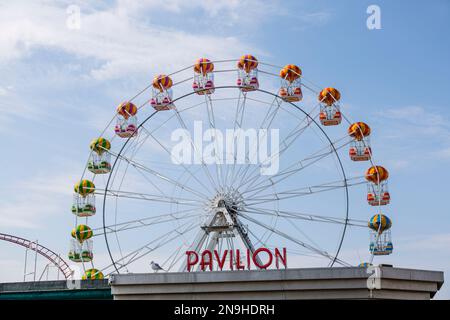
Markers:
262,258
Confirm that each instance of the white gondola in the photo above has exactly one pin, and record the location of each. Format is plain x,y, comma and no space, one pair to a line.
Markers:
203,84
126,128
81,252
381,245
83,206
290,88
330,115
360,150
99,163
162,100
378,194
248,81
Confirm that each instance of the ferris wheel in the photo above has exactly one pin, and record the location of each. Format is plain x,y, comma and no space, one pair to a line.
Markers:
227,165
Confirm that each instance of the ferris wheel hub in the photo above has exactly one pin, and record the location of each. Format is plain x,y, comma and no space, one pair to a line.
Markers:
230,198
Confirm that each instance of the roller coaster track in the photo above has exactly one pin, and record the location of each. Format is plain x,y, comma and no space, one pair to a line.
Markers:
43,251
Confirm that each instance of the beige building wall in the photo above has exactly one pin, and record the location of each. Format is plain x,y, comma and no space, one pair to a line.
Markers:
311,283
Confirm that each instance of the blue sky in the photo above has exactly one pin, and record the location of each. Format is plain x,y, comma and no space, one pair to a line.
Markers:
59,88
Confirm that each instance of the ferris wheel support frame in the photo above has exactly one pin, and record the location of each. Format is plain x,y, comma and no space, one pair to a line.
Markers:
229,222
333,258
43,251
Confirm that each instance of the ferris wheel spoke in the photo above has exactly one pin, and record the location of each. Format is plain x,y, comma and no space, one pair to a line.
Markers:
148,248
184,110
138,144
295,168
174,257
311,113
176,183
265,125
305,191
145,222
137,168
143,174
292,239
132,145
288,141
296,132
157,174
171,117
237,123
268,119
149,197
298,242
304,216
194,147
259,239
299,230
184,166
110,227
212,125
284,174
299,252
166,240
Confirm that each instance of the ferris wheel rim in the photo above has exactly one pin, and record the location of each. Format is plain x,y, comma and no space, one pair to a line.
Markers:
276,96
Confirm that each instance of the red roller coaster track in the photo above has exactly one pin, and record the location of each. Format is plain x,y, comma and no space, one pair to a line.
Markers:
43,251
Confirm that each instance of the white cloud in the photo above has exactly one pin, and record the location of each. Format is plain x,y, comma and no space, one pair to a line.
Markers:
435,242
398,164
421,133
27,204
113,43
444,153
221,12
423,120
315,18
9,109
3,92
116,39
